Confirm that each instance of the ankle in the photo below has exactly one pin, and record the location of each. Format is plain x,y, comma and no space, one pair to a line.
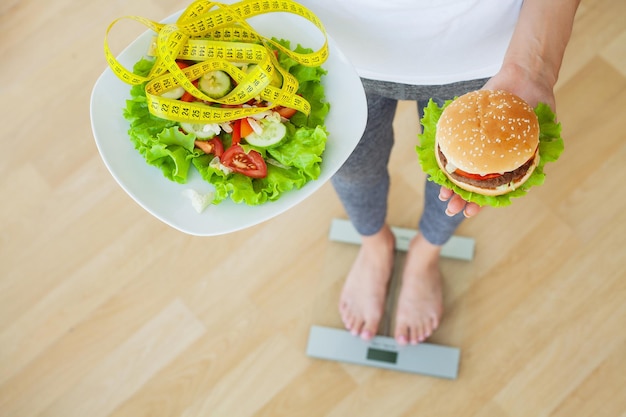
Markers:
423,252
420,240
383,239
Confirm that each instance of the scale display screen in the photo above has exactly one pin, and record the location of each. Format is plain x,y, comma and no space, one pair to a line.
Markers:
382,355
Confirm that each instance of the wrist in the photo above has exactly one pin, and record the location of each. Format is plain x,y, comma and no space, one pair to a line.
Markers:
531,73
534,65
529,84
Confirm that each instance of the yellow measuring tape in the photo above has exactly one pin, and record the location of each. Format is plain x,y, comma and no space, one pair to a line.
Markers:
218,37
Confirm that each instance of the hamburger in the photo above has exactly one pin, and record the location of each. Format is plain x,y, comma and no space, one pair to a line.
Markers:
487,142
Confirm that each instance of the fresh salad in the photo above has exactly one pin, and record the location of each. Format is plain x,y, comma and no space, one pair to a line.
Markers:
251,160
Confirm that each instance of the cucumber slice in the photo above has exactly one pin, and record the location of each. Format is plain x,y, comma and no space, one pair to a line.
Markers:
202,131
273,133
215,84
174,93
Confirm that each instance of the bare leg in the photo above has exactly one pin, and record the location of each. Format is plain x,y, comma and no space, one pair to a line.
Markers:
363,297
420,304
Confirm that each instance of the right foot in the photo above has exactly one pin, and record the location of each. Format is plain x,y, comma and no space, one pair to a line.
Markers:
420,304
362,299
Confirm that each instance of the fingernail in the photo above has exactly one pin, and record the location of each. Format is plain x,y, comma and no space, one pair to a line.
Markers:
449,213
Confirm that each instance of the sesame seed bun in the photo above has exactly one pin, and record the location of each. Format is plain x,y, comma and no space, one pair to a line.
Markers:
491,134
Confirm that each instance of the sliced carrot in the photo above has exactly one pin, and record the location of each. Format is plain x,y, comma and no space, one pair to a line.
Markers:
245,128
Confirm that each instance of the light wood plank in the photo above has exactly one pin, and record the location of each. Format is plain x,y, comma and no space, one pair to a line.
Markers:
259,376
131,364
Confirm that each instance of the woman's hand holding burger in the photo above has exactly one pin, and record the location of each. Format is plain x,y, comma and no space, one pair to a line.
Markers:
530,68
518,82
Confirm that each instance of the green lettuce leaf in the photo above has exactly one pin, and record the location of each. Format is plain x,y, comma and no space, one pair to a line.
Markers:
550,148
303,151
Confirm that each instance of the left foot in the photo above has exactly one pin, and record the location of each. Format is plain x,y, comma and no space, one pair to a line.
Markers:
420,303
363,296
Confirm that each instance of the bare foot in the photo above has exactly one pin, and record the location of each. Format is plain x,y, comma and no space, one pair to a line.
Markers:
363,296
420,304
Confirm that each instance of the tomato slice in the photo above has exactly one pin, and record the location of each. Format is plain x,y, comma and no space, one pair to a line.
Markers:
187,97
476,176
250,164
213,146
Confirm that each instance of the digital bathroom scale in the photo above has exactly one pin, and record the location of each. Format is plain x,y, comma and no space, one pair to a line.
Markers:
382,351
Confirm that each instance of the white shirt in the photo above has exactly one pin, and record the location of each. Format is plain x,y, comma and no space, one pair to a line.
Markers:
420,42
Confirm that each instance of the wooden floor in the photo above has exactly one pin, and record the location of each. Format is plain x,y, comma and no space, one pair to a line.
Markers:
107,312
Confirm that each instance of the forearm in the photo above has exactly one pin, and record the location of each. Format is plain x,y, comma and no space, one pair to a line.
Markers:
540,38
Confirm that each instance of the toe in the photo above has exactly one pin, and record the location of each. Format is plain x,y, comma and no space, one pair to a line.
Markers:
401,334
348,320
370,327
417,334
343,307
430,326
357,327
434,322
347,324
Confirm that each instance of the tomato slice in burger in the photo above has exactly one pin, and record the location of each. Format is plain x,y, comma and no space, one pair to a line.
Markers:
476,176
250,164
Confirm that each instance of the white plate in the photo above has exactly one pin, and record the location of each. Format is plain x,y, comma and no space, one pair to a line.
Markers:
163,198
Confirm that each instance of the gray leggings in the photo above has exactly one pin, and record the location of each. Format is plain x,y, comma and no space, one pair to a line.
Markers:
362,183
